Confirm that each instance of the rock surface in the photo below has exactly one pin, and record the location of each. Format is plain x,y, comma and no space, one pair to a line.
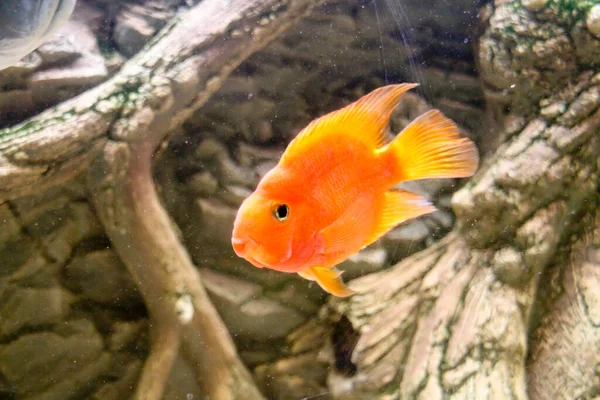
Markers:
61,364
32,308
136,24
100,276
63,295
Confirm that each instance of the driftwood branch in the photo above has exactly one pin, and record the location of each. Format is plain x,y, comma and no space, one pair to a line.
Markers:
450,322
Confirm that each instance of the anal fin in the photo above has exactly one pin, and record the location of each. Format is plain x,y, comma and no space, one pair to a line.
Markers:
398,206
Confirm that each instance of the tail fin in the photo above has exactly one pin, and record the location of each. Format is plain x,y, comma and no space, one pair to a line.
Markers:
431,147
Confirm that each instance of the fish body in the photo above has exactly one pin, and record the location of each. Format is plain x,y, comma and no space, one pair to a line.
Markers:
331,193
26,24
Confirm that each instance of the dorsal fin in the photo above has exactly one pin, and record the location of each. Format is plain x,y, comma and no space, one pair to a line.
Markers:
364,120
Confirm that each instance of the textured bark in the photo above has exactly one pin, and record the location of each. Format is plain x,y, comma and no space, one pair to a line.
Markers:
116,129
566,347
454,320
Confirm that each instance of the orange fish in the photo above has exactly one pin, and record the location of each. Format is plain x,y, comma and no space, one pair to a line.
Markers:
331,193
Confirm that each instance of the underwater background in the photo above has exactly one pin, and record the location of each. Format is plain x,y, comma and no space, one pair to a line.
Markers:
131,136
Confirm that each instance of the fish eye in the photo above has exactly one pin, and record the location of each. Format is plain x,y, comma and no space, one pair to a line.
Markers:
281,212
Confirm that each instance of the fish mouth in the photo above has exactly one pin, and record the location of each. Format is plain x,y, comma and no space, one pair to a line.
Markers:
244,247
250,250
241,246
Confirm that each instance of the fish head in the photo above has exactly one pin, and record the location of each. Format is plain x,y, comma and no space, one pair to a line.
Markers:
263,231
272,226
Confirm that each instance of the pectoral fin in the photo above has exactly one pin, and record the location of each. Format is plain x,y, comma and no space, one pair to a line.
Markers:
344,235
329,279
398,206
